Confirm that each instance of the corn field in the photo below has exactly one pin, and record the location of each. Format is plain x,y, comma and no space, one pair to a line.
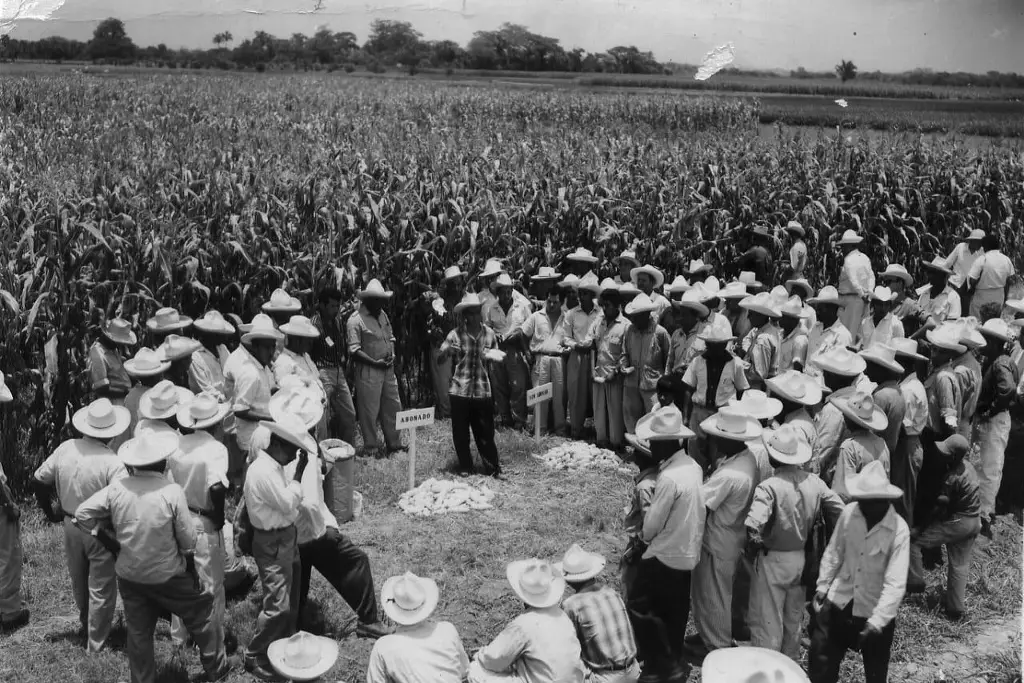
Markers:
120,195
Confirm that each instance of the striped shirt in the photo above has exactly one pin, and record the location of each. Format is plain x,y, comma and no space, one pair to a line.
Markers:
329,348
603,628
469,374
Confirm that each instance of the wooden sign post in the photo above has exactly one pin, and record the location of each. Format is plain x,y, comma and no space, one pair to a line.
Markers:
536,398
411,419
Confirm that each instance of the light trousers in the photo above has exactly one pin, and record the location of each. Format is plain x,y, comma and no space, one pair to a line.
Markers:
578,380
777,602
608,416
981,297
441,377
550,369
992,437
958,535
711,593
93,583
277,558
377,401
635,404
209,560
11,599
852,312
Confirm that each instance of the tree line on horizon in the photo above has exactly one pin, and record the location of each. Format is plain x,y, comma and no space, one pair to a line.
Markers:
391,44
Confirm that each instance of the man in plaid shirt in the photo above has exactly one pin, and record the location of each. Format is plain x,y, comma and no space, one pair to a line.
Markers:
470,389
599,615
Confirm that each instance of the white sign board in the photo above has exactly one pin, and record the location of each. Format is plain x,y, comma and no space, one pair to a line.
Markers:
410,419
538,394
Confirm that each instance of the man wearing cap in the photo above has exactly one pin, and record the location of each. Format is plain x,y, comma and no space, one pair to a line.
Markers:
856,281
329,352
422,650
294,367
371,344
470,389
13,609
442,321
793,337
580,372
988,280
165,322
249,380
883,369
606,337
992,419
727,495
965,254
105,364
544,332
828,332
673,531
645,348
154,540
280,307
758,259
763,356
954,524
541,284
938,301
861,582
205,372
778,525
881,325
78,469
906,460
540,645
862,445
272,502
509,378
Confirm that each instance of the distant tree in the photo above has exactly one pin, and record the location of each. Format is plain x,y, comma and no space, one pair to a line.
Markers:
630,60
111,41
224,38
846,71
389,39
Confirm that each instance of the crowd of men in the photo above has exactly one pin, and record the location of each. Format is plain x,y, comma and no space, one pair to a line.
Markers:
803,454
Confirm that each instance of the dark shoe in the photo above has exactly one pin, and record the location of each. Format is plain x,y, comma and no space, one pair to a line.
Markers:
229,665
16,621
262,670
986,528
695,652
916,587
954,615
230,643
374,630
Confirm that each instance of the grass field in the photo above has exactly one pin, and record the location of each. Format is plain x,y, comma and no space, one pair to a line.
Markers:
536,512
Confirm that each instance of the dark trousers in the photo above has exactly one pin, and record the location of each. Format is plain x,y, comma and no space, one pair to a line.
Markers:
476,414
833,632
659,607
345,567
144,604
277,558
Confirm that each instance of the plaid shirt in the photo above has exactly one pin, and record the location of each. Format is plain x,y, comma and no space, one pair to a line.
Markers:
329,348
602,627
469,376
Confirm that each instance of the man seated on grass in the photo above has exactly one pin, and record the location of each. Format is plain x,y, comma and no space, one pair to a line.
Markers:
599,615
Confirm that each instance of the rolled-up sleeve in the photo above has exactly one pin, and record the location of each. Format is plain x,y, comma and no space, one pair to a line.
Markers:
761,509
846,466
47,472
894,584
945,398
504,650
354,333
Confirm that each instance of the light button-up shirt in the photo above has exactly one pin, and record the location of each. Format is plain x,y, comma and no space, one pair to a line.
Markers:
271,500
428,652
200,462
78,469
674,524
539,646
727,494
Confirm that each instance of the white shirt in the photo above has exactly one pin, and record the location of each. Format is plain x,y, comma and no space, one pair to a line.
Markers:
674,524
539,646
961,259
727,495
78,469
916,399
890,328
857,275
428,652
248,384
542,335
945,305
578,322
868,567
992,270
200,462
206,374
271,500
820,341
314,515
291,367
798,257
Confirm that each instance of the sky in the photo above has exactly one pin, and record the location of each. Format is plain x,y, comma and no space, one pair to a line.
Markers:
885,35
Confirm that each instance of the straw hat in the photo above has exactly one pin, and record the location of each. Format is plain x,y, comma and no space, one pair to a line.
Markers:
168,319
536,582
692,299
578,565
545,273
590,283
697,266
713,334
452,272
119,331
750,665
148,448
787,444
851,237
779,295
882,354
803,284
872,483
300,326
761,231
582,255
492,268
757,404
795,227
826,295
733,424
144,426
213,322
292,429
749,280
295,402
1015,305
629,256
163,400
906,348
374,290
640,304
861,409
761,303
503,280
608,284
202,412
101,419
955,446
627,290
733,290
895,271
976,235
841,361
664,424
261,327
796,386
281,302
146,363
659,277
679,285
946,337
571,281
793,308
883,294
409,599
303,656
5,391
176,347
969,332
937,264
642,446
469,300
996,328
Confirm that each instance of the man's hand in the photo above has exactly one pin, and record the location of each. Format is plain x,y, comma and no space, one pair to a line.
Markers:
870,631
818,602
300,468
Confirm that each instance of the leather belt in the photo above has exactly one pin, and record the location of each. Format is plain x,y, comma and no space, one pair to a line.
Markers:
201,513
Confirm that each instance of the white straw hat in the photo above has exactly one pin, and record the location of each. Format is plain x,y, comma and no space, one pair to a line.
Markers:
826,295
897,272
761,303
146,363
861,409
679,285
202,412
906,347
213,322
262,327
691,299
163,400
733,290
803,284
850,237
657,275
841,361
945,337
872,483
300,326
281,302
629,256
299,403
787,444
374,290
750,665
640,304
101,419
664,424
119,331
578,565
996,328
794,308
292,429
697,266
794,226
589,283
148,448
452,272
937,264
545,273
469,300
536,582
5,391
409,599
167,320
733,424
570,281
796,386
491,268
757,404
303,656
175,347
882,354
582,255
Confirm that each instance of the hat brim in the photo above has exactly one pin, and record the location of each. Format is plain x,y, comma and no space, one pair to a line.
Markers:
363,296
627,259
182,353
581,259
758,308
694,306
992,334
133,371
599,565
273,335
644,433
208,328
147,412
884,362
659,277
133,457
912,355
459,308
942,344
592,288
129,340
642,446
268,307
799,230
5,394
815,301
312,333
907,278
328,656
772,408
842,372
752,431
183,322
802,315
877,423
184,417
802,455
724,294
806,286
545,278
889,493
642,309
303,441
122,420
461,273
811,398
937,268
407,617
732,664
851,241
549,599
703,269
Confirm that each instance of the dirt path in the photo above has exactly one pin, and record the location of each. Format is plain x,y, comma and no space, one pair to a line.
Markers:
964,662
